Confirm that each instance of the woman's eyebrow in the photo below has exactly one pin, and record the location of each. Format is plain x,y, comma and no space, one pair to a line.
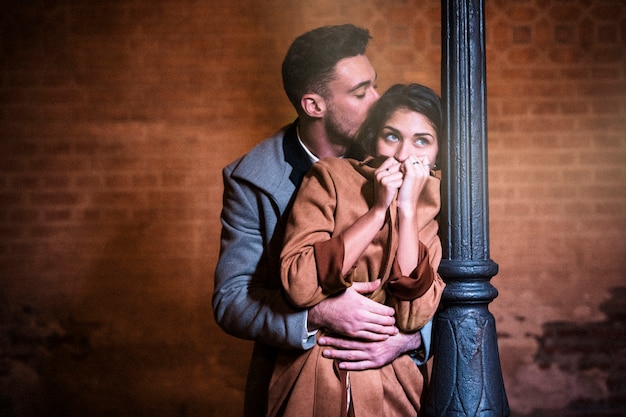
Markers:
418,134
391,128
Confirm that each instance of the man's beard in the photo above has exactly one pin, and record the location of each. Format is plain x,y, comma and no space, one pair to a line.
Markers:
337,132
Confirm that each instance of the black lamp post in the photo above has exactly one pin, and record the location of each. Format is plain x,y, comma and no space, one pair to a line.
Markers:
467,378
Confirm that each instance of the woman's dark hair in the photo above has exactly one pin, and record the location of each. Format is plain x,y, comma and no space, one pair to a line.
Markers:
412,97
311,59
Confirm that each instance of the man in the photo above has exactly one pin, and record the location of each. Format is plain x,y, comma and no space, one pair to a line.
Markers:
331,84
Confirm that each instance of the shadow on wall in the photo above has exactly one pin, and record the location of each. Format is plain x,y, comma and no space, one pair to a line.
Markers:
27,339
596,347
135,344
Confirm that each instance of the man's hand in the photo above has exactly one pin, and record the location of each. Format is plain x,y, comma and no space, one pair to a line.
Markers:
358,355
353,315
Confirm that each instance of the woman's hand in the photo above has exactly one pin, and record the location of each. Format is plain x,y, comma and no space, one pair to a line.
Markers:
387,181
416,171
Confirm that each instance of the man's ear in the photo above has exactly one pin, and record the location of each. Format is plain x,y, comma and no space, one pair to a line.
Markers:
313,105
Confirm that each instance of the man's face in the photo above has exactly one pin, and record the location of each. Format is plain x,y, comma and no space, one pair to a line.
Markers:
352,93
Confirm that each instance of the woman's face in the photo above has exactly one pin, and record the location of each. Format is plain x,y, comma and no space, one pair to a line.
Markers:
407,133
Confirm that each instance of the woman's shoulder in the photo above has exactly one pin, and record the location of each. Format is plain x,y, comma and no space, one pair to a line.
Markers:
338,164
343,170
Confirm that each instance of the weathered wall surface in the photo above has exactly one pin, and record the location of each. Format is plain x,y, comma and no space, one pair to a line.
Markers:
116,118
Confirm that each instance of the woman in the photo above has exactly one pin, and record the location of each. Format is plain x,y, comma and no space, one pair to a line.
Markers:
361,221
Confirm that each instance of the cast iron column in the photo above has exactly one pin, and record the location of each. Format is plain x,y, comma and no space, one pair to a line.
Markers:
467,378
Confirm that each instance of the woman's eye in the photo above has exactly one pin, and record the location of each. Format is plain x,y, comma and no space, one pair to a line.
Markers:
391,137
421,141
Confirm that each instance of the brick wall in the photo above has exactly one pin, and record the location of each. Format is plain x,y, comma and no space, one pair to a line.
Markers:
556,88
116,118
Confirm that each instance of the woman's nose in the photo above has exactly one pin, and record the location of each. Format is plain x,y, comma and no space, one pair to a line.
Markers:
403,152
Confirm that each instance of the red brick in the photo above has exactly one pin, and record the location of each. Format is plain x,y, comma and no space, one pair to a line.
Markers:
565,13
145,180
24,216
612,209
608,55
57,181
8,199
607,11
117,181
22,182
545,108
116,198
573,107
523,55
565,55
58,215
56,198
89,181
521,13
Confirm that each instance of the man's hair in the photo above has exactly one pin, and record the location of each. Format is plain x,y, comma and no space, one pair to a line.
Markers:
412,97
310,61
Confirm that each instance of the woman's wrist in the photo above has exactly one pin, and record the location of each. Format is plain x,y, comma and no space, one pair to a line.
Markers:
377,215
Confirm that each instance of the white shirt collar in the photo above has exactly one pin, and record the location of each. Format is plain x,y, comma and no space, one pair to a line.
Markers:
312,157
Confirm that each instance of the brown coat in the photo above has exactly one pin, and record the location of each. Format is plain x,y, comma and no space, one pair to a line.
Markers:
333,195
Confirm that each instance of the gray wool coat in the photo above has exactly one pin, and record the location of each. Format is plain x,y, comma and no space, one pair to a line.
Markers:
248,301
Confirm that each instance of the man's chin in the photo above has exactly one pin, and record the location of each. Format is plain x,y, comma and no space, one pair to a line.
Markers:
343,140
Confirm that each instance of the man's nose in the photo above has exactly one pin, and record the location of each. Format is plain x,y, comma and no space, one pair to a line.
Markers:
374,96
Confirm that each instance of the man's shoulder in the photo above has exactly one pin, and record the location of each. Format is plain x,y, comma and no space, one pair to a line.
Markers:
269,148
264,168
264,156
